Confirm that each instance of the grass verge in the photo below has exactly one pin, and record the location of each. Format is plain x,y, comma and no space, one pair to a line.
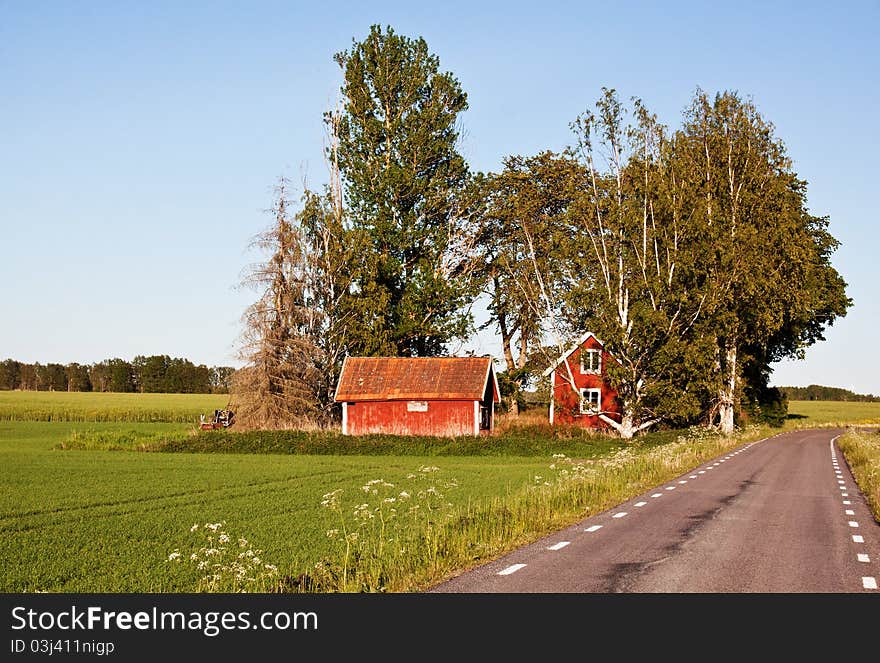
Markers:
862,452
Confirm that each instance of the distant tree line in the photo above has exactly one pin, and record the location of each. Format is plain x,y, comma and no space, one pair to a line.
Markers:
817,392
154,374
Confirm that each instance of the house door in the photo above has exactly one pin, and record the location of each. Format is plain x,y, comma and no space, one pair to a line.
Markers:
485,416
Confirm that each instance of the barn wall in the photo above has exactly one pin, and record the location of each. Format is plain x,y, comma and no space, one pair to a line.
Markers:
567,403
446,418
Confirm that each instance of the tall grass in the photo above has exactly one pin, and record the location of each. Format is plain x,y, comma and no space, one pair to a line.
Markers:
862,452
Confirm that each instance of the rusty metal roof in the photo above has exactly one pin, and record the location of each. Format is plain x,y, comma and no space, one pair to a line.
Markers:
415,378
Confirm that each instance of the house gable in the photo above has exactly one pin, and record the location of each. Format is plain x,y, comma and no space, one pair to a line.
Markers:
580,391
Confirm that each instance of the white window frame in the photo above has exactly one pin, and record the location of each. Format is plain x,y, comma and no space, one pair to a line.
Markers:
591,352
587,404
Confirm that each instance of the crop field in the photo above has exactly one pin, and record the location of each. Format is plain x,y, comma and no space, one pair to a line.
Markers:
98,407
99,520
806,414
108,520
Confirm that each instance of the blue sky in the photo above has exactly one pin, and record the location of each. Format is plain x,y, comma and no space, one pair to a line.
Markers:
139,141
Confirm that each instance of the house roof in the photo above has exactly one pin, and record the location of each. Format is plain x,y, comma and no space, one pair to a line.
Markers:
567,354
415,378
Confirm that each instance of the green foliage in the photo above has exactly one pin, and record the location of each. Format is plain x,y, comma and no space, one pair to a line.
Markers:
690,253
156,374
521,222
762,260
768,405
401,174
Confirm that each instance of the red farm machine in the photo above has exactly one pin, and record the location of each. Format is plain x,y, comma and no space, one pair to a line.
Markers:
221,419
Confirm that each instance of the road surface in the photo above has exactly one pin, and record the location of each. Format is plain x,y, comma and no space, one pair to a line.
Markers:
778,515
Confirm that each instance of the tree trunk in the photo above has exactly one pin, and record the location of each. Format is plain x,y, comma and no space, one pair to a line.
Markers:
627,429
727,393
513,407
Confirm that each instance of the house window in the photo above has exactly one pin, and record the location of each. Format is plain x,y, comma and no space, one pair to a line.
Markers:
591,401
591,361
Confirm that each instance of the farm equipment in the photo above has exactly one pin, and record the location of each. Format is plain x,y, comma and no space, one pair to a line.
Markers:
221,419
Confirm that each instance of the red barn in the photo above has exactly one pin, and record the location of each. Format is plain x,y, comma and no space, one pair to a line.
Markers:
418,395
579,389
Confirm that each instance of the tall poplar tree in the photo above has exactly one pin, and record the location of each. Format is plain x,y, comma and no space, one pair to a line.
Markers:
401,176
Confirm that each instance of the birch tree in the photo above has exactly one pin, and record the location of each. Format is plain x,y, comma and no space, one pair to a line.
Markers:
519,227
767,264
624,273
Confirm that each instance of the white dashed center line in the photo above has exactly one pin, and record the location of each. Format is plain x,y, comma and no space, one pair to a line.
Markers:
558,546
593,528
850,512
847,502
619,515
701,472
680,482
693,476
641,503
862,557
853,523
657,495
670,487
844,494
858,538
511,569
869,582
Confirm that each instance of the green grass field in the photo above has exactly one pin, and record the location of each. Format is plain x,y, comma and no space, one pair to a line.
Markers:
106,521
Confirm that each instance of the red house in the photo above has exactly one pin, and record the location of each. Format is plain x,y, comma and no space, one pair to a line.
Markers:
418,395
579,389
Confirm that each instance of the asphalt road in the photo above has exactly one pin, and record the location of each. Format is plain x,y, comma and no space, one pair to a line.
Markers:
779,515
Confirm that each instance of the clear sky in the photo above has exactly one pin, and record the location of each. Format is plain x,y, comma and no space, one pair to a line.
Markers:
139,141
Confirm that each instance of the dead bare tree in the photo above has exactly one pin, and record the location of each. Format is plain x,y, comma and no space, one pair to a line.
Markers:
275,388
